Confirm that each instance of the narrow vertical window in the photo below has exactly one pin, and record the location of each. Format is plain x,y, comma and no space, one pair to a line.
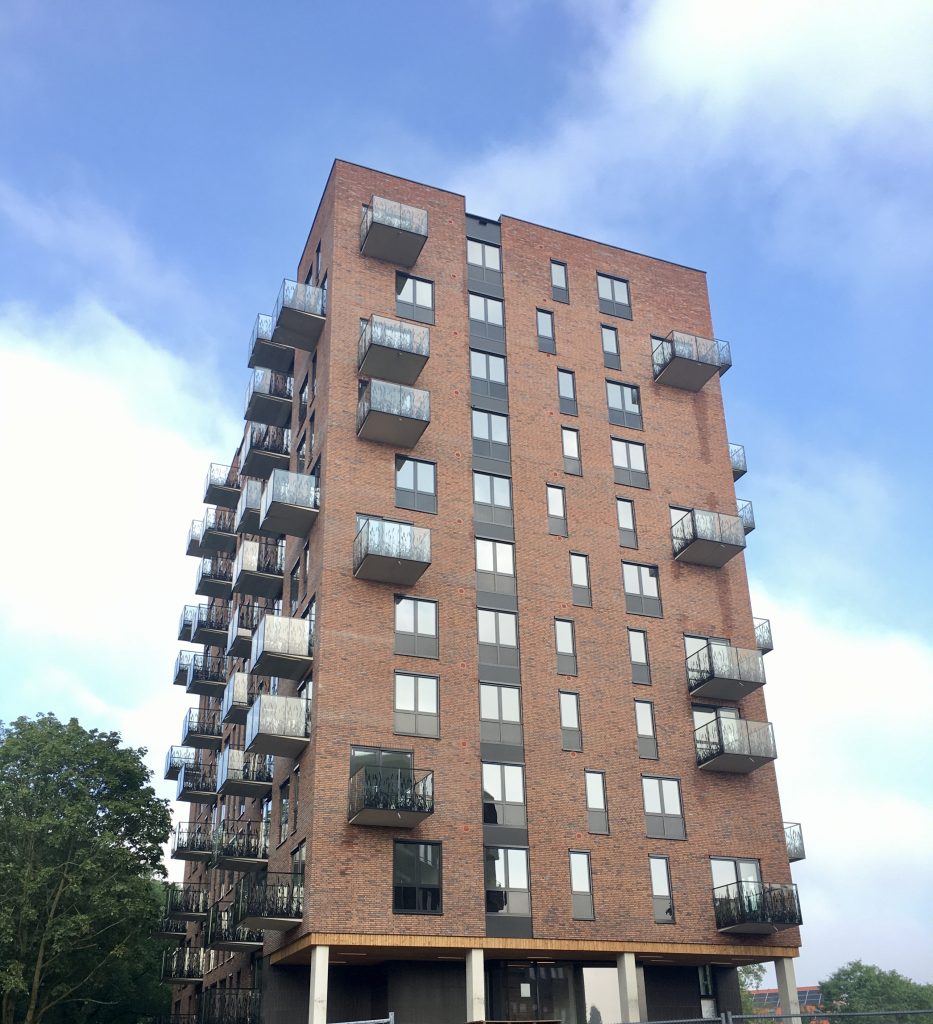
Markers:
566,647
567,392
645,729
610,338
580,580
581,886
545,324
662,902
570,445
625,519
571,735
560,284
597,816
556,511
638,654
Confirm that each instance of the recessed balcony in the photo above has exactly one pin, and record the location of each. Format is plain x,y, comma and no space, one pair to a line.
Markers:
193,842
737,458
269,398
265,449
176,759
390,797
214,577
763,639
242,690
201,729
193,543
259,569
242,847
184,966
182,663
270,900
299,316
263,351
388,552
734,745
207,675
246,518
221,487
241,774
707,538
223,933
197,784
393,350
793,835
210,623
722,672
217,534
290,504
393,414
756,908
688,361
747,515
282,647
278,725
231,1005
243,621
186,621
187,902
393,232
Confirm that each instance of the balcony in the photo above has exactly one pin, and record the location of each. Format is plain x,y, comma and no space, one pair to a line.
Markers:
180,677
186,621
223,933
193,842
707,538
240,774
197,784
299,316
392,414
393,231
210,623
269,398
172,929
263,351
193,543
274,901
737,458
391,797
217,535
241,692
289,505
393,350
243,847
724,673
756,908
183,966
207,675
282,647
221,487
278,725
763,640
243,621
187,902
201,729
793,835
232,1005
388,552
246,519
176,759
265,449
747,515
687,361
734,745
214,577
259,569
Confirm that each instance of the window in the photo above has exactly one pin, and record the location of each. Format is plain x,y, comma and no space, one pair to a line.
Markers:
283,811
560,285
581,889
597,817
708,1008
484,262
296,786
611,359
314,376
310,433
416,627
730,871
415,484
487,318
298,858
570,444
294,588
556,511
614,296
628,463
644,729
302,453
663,905
624,401
507,889
504,795
416,709
317,262
640,583
625,517
487,376
580,580
495,567
303,401
566,647
416,878
414,298
545,322
567,392
638,653
500,713
492,499
490,435
571,735
497,633
664,818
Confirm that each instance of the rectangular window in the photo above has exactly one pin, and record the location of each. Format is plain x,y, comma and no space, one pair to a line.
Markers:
556,511
614,297
296,787
638,653
416,878
581,594
487,317
597,816
314,376
611,358
663,903
497,634
664,817
581,886
570,445
567,392
414,298
507,886
560,283
645,730
484,263
495,567
415,484
625,517
640,583
416,706
492,499
283,811
294,589
301,453
545,324
500,714
628,463
303,401
571,735
504,795
624,401
565,641
298,858
487,376
491,435
416,627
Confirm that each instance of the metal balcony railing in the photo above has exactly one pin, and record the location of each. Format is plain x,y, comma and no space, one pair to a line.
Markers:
207,674
188,901
233,1005
264,448
289,504
265,557
763,637
193,543
301,298
182,662
390,796
391,552
737,458
734,744
176,759
199,723
241,691
193,842
393,350
270,899
393,231
197,783
282,647
243,622
708,356
236,846
793,835
184,965
210,623
244,774
278,725
221,487
214,577
756,907
747,515
269,384
224,933
393,400
727,673
269,398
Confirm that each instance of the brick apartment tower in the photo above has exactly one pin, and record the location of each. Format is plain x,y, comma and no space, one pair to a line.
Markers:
480,730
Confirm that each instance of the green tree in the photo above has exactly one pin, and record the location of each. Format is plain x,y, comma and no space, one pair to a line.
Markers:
858,988
80,849
750,978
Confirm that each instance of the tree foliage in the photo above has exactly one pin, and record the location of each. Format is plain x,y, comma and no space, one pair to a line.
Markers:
750,978
80,849
859,988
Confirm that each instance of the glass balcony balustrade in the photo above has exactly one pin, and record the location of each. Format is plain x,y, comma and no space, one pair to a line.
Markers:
186,622
688,361
393,413
747,515
259,569
193,543
278,357
221,487
264,449
282,647
393,350
763,639
701,537
246,518
269,398
214,577
242,846
793,836
393,231
217,533
176,759
242,774
734,745
722,672
241,691
270,900
182,663
385,551
207,675
278,725
737,458
299,315
210,623
243,621
197,783
290,504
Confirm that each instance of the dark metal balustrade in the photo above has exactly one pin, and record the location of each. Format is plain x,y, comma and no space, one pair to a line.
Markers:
393,231
242,847
270,900
210,623
182,663
299,315
243,622
290,504
688,361
793,835
217,534
763,639
737,458
263,351
393,797
393,350
393,413
232,1005
734,745
184,966
278,725
240,693
221,487
207,675
193,842
224,933
174,929
193,543
259,569
201,729
197,784
707,538
176,759
269,398
282,647
187,902
214,577
756,908
723,672
389,552
265,449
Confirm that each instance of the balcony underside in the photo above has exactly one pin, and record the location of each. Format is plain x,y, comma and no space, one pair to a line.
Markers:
206,687
200,740
236,945
210,636
386,428
240,644
383,569
389,818
686,374
272,743
209,586
286,666
392,244
171,979
236,714
726,688
291,520
222,495
269,924
386,363
268,409
181,675
197,854
190,915
735,763
298,329
174,930
196,795
240,860
271,356
756,927
259,464
195,548
233,786
217,541
711,553
258,584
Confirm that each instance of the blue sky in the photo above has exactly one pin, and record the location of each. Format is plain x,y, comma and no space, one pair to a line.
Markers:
162,163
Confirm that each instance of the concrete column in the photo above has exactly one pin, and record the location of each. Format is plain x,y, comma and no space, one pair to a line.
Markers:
317,994
628,988
787,987
642,998
475,986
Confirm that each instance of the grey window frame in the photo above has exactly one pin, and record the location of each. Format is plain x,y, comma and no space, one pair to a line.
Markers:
620,416
581,595
573,464
486,328
567,405
504,654
416,722
294,588
582,900
662,904
663,824
418,886
571,736
482,273
413,310
597,818
637,602
614,306
556,525
485,386
284,805
491,513
547,341
566,661
612,360
416,499
510,813
417,644
508,889
641,670
628,536
647,742
486,447
499,729
625,474
560,293
493,581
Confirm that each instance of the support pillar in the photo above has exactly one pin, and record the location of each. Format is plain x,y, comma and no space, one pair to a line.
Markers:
317,994
787,988
628,988
642,997
475,986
